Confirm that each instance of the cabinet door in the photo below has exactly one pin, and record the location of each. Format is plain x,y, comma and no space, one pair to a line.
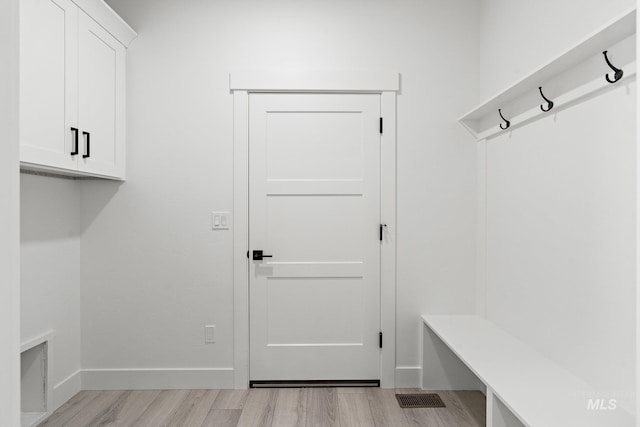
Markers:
101,100
48,82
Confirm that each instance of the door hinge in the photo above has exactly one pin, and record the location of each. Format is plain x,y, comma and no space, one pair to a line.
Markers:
382,227
380,339
380,124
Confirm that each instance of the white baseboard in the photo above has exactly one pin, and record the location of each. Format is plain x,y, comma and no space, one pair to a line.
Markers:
65,390
157,379
408,377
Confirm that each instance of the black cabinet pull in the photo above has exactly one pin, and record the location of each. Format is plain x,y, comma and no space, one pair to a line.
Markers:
75,141
88,152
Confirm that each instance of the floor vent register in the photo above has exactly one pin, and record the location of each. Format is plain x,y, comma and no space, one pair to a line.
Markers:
420,400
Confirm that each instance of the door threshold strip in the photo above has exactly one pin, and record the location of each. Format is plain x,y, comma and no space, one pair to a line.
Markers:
314,383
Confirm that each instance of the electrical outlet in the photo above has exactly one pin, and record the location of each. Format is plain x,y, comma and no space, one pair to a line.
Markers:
209,334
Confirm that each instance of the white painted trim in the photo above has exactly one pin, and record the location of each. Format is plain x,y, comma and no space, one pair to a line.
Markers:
108,19
388,249
65,390
67,172
386,84
481,230
157,379
40,416
241,239
637,239
314,81
9,216
30,343
409,377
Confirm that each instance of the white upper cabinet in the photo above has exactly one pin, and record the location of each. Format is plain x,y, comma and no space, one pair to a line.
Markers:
101,100
72,87
48,76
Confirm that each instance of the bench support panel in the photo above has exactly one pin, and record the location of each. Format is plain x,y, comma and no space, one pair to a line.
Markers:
498,415
442,369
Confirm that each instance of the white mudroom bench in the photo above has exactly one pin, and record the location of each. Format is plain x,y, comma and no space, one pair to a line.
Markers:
523,387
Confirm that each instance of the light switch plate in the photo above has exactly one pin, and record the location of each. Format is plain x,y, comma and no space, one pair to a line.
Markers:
209,334
220,220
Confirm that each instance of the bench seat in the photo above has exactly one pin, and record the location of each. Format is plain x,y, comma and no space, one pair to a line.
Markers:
537,391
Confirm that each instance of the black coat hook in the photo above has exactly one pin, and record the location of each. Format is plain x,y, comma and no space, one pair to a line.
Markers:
617,71
507,123
549,102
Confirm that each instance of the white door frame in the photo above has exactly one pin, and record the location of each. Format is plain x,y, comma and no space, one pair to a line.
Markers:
241,84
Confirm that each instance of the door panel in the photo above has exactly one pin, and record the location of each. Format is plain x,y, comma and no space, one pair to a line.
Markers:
48,100
101,78
322,156
315,206
306,300
314,221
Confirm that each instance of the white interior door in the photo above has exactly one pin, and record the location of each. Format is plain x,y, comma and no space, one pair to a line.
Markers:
314,203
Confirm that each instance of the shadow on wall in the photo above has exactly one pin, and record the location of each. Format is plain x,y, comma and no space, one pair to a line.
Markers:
101,192
51,206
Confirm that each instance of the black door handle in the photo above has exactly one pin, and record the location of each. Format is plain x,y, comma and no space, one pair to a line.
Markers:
75,142
259,255
382,227
88,152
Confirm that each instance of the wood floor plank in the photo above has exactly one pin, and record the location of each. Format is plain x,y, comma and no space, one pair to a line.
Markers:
95,409
385,409
230,399
222,418
194,409
349,390
126,411
108,414
421,417
259,408
354,410
70,409
161,408
475,403
291,408
455,413
322,407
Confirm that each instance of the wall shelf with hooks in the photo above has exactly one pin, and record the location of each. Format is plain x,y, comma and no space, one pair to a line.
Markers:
578,74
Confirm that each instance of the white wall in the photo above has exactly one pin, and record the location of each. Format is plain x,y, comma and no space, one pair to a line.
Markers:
560,203
9,218
152,271
50,281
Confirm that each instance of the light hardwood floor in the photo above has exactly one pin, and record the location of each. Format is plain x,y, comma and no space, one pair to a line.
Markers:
310,407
